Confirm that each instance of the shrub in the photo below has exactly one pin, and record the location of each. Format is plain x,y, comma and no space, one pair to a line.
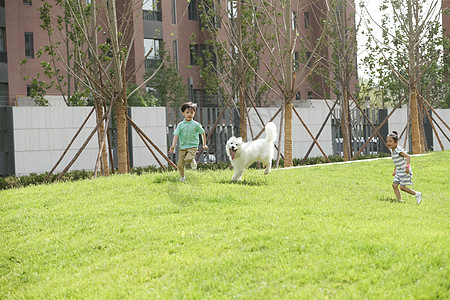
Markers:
3,183
34,179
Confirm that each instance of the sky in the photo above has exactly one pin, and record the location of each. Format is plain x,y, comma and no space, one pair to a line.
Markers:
376,15
373,8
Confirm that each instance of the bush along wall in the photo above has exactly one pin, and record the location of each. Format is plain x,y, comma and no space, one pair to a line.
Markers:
11,182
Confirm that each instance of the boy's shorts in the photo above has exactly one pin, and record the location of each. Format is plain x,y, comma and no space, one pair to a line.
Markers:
186,155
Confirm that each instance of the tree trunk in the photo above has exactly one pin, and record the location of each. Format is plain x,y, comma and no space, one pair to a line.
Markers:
243,114
122,149
101,133
288,134
98,101
288,89
241,87
415,125
345,126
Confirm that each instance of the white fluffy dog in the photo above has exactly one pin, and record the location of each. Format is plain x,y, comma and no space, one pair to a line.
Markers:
242,155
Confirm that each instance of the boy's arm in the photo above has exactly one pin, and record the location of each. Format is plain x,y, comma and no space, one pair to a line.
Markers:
174,143
204,141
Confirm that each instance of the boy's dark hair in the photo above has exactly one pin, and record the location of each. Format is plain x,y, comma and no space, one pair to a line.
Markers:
187,105
393,135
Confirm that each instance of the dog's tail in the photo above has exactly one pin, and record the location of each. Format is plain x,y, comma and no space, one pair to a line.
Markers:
271,132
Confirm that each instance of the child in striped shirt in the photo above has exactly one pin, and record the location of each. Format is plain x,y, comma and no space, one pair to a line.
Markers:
402,170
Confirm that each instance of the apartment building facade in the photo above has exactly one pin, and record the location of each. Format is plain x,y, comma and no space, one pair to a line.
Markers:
176,23
446,33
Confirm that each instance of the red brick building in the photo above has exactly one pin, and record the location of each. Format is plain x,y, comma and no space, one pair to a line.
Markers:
446,32
174,22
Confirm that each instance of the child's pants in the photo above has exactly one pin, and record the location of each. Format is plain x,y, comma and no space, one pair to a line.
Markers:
185,156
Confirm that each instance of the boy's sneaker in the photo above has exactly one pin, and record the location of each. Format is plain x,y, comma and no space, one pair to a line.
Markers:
182,179
194,164
418,196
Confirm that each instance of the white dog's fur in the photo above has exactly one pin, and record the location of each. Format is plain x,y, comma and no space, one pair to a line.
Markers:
242,155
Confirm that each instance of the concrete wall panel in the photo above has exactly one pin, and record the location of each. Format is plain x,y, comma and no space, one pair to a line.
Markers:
152,121
42,133
445,116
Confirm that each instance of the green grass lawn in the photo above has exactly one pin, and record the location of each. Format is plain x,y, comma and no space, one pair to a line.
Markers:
328,231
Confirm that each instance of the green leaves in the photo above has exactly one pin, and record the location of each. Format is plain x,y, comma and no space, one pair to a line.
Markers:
410,51
166,88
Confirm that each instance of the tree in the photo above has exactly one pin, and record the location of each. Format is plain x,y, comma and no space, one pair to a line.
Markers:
98,39
339,68
230,60
282,42
411,56
166,85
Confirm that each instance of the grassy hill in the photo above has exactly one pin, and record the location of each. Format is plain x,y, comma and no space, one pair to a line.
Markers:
328,231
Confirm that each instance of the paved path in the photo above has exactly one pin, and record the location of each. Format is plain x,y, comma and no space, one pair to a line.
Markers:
341,162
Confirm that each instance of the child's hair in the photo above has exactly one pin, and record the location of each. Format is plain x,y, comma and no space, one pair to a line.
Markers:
187,105
393,135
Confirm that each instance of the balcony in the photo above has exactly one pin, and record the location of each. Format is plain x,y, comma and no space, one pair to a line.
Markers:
152,63
152,15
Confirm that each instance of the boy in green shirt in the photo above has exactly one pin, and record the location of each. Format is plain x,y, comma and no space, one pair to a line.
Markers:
188,131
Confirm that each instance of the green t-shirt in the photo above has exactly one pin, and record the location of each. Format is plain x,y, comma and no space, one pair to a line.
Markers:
188,133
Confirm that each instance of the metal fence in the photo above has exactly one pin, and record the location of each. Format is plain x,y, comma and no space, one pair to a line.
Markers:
361,130
6,142
226,128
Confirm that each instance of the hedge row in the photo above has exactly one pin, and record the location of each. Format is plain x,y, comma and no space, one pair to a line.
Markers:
34,179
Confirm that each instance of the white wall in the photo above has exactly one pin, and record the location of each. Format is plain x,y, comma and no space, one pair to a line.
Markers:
152,121
53,101
445,115
301,140
397,122
41,134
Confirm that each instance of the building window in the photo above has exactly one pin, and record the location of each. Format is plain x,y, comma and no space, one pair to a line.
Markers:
192,10
213,10
26,2
296,59
2,3
3,57
152,5
153,45
310,95
153,58
175,53
196,54
306,15
28,90
308,59
174,12
109,44
192,55
3,94
29,45
298,96
151,10
294,20
200,54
